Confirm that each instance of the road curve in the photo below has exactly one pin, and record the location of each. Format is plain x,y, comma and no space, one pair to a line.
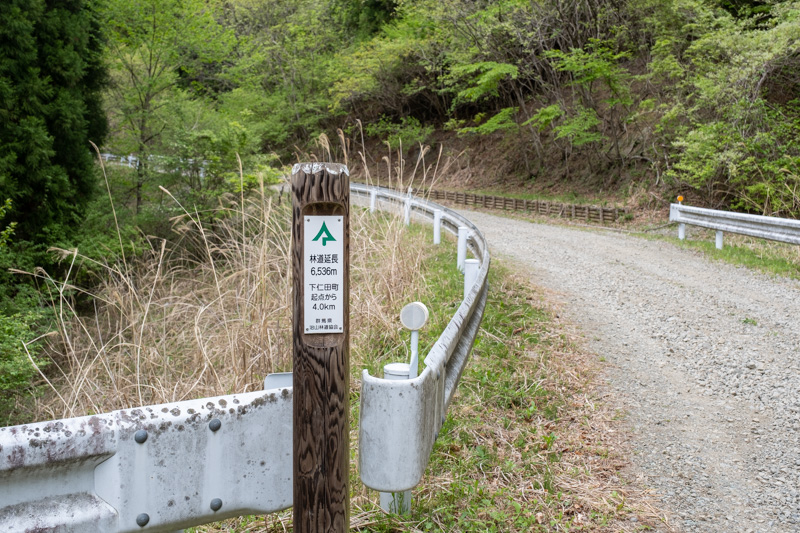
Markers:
704,357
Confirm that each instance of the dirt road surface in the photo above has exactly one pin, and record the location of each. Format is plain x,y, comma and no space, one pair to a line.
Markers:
703,358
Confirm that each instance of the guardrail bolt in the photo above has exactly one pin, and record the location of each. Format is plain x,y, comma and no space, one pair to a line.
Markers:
216,504
140,436
214,425
142,519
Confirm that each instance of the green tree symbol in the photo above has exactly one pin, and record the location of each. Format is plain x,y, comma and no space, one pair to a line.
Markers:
325,233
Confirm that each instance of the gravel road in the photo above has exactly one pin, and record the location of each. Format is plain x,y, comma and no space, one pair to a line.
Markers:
703,357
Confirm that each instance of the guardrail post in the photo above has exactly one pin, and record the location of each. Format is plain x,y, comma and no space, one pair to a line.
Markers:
407,209
719,240
437,226
321,347
681,231
396,502
471,267
463,231
373,200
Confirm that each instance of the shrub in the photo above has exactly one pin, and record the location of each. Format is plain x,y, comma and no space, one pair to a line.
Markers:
407,133
16,370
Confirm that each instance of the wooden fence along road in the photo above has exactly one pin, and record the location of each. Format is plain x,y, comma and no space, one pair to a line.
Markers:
589,214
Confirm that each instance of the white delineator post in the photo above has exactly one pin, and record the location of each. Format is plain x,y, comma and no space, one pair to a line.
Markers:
437,226
373,200
413,317
681,227
719,240
463,231
471,267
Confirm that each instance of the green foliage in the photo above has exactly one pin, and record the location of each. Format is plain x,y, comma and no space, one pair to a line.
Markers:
737,137
502,121
8,231
50,82
162,54
16,371
746,8
484,79
204,157
546,116
363,17
597,63
580,128
406,134
382,75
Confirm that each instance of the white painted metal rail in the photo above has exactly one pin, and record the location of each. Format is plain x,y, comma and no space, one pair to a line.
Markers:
157,468
400,420
771,228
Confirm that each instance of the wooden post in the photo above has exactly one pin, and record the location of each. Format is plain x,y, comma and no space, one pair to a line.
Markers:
321,346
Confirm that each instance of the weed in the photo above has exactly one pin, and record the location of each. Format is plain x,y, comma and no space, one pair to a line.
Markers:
758,254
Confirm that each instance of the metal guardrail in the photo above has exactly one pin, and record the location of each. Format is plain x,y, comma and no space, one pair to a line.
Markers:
159,162
771,228
171,466
400,420
157,468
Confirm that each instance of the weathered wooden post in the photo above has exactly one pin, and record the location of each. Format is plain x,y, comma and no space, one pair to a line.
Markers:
321,341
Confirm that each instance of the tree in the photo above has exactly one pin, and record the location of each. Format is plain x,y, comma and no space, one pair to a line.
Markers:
51,77
154,47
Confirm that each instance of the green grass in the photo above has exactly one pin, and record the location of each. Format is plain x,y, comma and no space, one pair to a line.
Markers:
757,254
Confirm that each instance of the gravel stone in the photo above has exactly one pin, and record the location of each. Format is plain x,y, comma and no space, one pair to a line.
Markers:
702,356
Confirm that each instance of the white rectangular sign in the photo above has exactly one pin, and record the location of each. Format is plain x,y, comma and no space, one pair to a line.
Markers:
323,267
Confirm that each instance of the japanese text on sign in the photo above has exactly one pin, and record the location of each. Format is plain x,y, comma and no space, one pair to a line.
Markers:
323,267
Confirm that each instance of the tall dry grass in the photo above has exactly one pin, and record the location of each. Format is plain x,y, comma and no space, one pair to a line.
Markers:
418,167
208,312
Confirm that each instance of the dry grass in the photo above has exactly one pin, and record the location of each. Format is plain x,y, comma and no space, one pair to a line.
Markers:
209,312
202,315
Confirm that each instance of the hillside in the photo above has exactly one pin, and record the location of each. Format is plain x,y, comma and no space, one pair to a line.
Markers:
691,96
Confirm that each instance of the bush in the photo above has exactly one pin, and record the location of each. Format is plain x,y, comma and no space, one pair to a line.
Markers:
16,370
406,134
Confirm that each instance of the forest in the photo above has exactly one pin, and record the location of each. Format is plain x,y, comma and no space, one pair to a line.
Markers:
215,99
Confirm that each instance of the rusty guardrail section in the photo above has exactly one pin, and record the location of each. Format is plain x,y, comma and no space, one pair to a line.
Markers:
400,420
157,468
